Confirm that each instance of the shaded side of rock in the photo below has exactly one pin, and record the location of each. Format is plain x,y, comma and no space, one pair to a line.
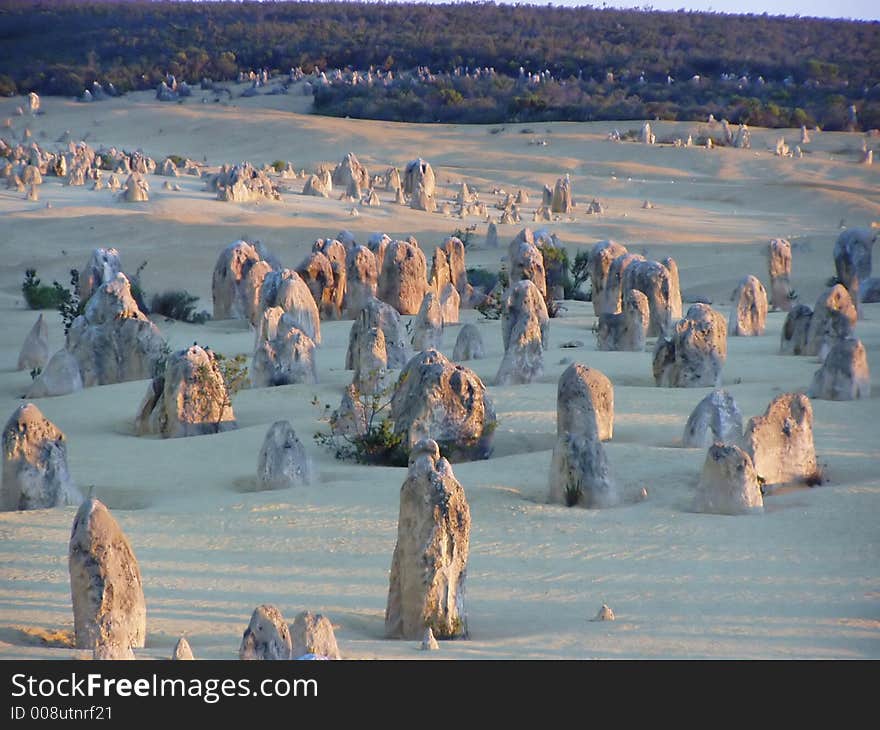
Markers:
716,418
844,375
525,327
580,474
428,325
627,330
468,344
34,351
267,636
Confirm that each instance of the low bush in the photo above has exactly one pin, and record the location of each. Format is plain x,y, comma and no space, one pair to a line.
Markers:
377,443
38,295
179,305
482,279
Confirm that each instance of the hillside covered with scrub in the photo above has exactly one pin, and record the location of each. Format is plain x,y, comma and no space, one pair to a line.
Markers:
577,64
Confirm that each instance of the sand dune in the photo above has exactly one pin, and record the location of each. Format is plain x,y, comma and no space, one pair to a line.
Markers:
800,581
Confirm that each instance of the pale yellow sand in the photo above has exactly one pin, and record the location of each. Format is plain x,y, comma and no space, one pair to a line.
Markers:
800,581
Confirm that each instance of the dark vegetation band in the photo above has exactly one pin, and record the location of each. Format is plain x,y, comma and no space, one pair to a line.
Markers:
599,64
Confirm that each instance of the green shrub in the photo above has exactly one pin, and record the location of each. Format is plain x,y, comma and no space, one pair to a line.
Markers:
573,492
493,305
66,301
37,295
378,444
234,371
69,305
179,305
137,291
580,272
482,279
279,165
465,235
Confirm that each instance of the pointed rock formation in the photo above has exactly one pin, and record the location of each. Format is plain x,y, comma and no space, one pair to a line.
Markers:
362,278
779,258
525,261
419,173
491,236
319,186
439,400
349,172
422,201
137,189
283,461
60,377
716,418
455,255
228,286
659,283
188,399
525,327
312,634
728,484
370,361
468,344
579,472
844,375
267,636
852,257
584,403
834,319
692,355
748,316
103,266
182,650
428,325
287,290
429,566
113,341
601,256
105,582
793,340
561,201
250,290
377,314
34,351
429,643
35,473
611,294
403,280
626,331
450,303
326,285
781,441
